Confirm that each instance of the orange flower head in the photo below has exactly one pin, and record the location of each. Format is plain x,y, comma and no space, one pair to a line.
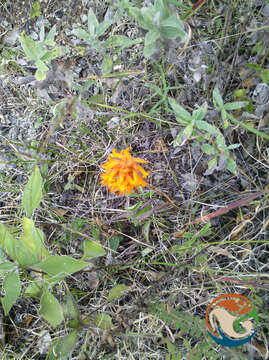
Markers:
123,172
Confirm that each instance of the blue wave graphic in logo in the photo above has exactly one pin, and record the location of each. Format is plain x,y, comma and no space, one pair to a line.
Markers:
226,341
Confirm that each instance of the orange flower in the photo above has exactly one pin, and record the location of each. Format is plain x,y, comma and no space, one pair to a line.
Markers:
122,172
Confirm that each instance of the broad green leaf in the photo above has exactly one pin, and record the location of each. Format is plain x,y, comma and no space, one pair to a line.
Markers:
115,242
65,345
107,65
178,141
32,193
7,242
32,238
117,291
235,105
6,266
83,34
24,255
92,249
92,22
172,27
56,264
200,113
50,308
33,290
217,97
40,75
203,125
103,321
183,116
265,75
102,27
231,165
29,47
213,162
12,288
188,131
35,12
69,307
42,67
121,41
50,37
150,40
208,149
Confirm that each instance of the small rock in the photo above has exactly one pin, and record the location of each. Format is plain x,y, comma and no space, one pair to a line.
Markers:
261,94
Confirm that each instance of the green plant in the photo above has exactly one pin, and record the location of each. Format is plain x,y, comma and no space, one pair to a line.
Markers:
115,42
209,137
225,115
186,324
160,24
41,52
161,92
28,253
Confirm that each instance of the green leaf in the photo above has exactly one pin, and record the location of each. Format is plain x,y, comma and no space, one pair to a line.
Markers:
42,67
92,22
12,288
50,308
29,47
233,146
188,131
150,40
121,41
40,75
83,34
102,27
69,307
183,116
50,37
7,242
103,321
6,266
92,249
203,125
254,66
32,192
224,114
55,265
208,149
35,12
249,128
231,165
65,345
217,97
265,75
235,105
172,27
34,249
42,33
114,242
200,113
146,229
107,65
213,162
117,291
33,290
